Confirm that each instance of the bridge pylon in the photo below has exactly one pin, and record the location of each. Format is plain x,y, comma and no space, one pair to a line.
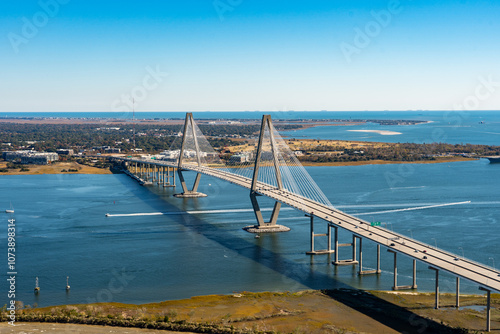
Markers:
266,142
189,134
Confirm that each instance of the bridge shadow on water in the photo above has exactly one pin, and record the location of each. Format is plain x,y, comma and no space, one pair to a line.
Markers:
391,315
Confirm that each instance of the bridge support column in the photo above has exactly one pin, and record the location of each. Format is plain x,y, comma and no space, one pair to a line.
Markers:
378,259
457,302
436,304
262,226
168,176
161,174
338,262
368,272
173,177
150,174
488,308
313,235
414,286
162,181
186,193
396,287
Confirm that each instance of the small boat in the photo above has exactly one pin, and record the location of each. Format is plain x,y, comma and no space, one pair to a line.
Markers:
10,210
494,159
107,214
37,287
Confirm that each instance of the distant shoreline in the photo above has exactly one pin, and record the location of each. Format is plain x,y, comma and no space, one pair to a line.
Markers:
82,169
384,162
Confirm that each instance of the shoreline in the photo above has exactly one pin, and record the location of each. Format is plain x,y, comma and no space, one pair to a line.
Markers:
384,162
308,311
55,169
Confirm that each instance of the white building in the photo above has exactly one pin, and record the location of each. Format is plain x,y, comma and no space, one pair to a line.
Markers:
30,157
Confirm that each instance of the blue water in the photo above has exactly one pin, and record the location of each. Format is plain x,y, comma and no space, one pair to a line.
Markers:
455,127
62,231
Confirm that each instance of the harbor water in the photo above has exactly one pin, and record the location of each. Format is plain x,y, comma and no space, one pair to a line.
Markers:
62,230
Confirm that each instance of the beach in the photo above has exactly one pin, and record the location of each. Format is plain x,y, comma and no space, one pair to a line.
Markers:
380,132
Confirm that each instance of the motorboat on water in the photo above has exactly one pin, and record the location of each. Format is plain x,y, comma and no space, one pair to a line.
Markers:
494,159
10,210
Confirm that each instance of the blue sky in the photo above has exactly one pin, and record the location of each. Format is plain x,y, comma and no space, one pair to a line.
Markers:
231,55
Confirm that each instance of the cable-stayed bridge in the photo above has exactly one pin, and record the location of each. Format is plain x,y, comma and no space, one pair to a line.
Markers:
271,169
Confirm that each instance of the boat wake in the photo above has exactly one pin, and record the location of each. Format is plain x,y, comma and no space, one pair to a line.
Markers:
270,209
411,209
187,212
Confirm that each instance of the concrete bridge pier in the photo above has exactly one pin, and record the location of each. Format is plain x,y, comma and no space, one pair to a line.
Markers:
488,308
161,175
186,193
167,177
263,226
436,303
368,272
146,172
396,287
328,234
348,262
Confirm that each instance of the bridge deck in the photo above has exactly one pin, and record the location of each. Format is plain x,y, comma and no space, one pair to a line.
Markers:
435,257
